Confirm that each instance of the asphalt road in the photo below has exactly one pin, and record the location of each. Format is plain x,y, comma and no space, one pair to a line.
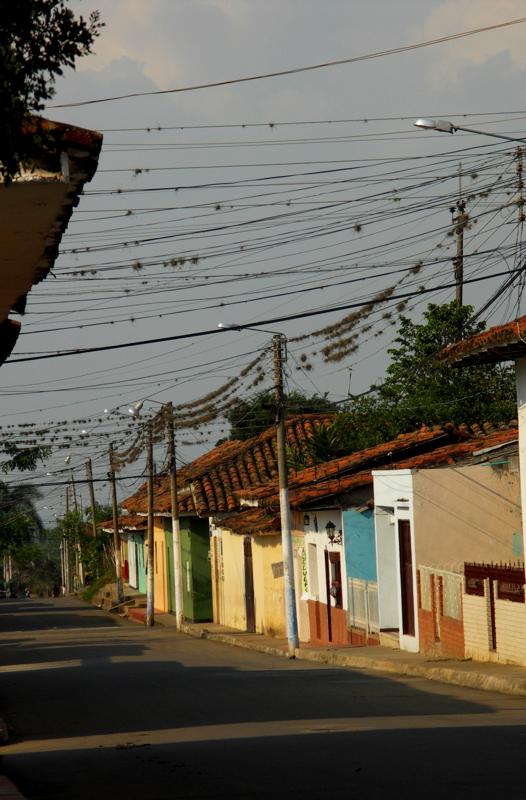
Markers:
109,710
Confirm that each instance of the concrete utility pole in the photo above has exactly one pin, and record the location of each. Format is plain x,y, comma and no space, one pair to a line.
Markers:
176,533
150,615
279,343
460,219
66,583
89,476
116,545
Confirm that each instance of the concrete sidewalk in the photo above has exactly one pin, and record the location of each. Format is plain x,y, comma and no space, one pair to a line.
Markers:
505,678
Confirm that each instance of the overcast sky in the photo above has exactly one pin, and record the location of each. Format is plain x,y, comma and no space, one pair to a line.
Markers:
267,239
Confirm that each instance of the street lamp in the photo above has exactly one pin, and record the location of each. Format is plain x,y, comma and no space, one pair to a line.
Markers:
278,342
445,126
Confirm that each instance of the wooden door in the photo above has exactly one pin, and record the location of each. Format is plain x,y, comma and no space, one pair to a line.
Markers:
406,577
250,605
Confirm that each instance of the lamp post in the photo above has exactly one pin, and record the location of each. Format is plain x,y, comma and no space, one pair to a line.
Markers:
279,344
445,126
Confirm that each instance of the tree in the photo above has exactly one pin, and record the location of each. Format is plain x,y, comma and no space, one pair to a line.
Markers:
250,417
23,459
38,39
20,522
418,390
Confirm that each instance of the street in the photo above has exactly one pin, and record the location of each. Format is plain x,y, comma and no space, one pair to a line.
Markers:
103,708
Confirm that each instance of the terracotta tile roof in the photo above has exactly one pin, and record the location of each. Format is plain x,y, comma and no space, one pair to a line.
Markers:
223,478
209,485
422,440
500,343
332,479
252,521
128,522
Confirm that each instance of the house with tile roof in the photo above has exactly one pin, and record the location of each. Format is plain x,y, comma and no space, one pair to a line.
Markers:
333,538
504,619
428,523
209,488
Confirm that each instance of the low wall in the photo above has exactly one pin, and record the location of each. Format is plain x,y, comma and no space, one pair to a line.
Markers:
510,630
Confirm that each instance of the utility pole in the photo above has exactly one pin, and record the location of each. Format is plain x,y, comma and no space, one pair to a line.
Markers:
459,219
279,343
150,615
74,491
116,545
176,532
66,545
89,476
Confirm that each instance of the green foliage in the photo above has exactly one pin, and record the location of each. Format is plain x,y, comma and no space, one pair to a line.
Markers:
95,551
102,513
22,459
38,39
19,520
250,417
37,567
418,390
107,577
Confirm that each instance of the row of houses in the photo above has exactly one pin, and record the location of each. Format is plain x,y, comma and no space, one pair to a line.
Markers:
415,543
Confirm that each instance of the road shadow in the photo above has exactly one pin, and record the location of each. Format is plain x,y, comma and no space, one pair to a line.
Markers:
22,615
453,762
101,696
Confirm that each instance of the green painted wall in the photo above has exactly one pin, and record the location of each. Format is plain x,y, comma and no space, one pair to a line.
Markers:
141,566
195,563
169,568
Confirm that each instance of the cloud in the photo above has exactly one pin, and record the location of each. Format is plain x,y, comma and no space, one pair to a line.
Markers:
450,61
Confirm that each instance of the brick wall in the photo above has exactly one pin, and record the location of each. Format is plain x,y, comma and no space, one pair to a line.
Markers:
439,634
319,630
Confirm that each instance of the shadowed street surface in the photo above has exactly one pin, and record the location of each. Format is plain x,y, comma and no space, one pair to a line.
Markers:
101,708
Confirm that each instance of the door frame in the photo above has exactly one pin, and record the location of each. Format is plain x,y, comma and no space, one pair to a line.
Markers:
408,641
250,599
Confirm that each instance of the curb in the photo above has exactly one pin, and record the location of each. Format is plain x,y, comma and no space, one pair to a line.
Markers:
8,790
470,679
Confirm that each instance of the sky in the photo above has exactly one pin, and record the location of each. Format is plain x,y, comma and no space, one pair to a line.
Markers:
260,200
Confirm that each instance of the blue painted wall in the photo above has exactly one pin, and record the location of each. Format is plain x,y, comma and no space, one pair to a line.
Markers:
360,550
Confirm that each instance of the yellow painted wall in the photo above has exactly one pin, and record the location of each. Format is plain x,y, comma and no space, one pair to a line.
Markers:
232,578
466,514
268,590
159,562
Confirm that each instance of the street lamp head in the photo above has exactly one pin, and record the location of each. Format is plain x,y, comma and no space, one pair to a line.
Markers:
442,125
135,409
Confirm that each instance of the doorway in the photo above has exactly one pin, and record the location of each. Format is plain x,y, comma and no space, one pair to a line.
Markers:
406,577
250,605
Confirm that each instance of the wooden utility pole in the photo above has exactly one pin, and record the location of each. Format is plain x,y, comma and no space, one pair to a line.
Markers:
279,342
116,543
89,476
150,615
176,532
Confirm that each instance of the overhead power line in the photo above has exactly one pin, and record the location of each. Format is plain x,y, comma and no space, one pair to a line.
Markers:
296,70
241,326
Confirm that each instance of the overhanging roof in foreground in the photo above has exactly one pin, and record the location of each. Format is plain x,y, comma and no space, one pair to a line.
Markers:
501,343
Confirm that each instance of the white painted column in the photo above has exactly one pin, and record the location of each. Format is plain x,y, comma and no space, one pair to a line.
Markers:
520,378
